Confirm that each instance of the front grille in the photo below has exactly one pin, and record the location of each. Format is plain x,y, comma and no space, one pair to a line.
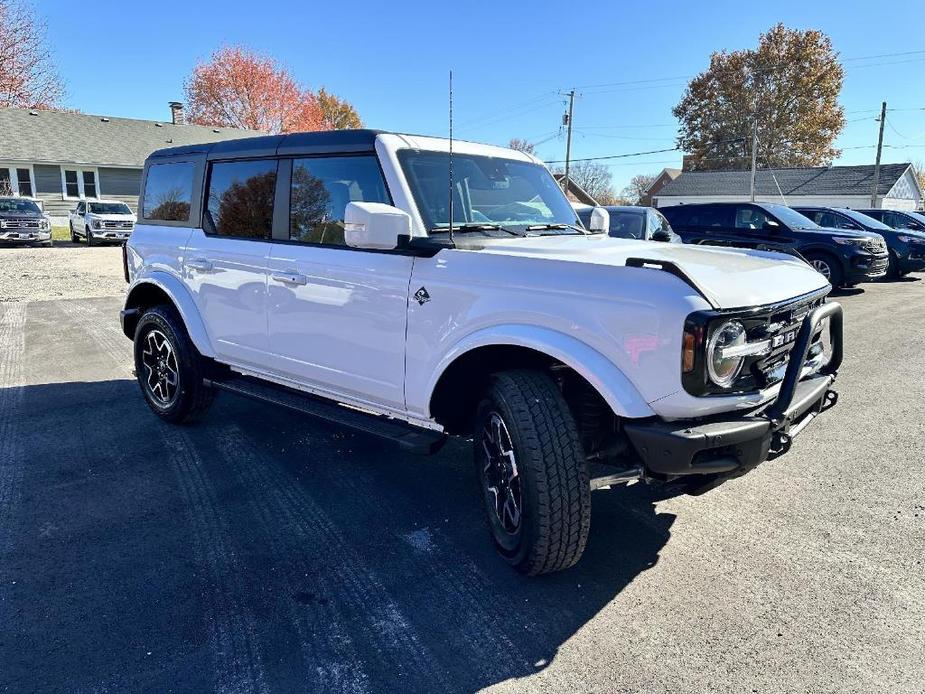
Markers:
117,225
19,224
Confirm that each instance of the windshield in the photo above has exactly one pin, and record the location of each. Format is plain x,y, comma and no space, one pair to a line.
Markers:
18,205
792,218
109,208
864,220
918,216
487,191
627,225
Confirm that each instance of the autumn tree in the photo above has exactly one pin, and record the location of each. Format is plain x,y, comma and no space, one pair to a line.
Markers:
919,168
522,146
595,179
28,78
637,187
787,87
237,88
335,113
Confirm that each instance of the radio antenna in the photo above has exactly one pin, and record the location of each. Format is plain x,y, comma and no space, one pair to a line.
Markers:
452,185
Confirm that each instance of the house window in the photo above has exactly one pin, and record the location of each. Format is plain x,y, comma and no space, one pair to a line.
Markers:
16,180
80,183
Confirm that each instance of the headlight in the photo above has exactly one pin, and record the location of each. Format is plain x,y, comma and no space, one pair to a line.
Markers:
912,239
45,225
722,368
848,241
97,224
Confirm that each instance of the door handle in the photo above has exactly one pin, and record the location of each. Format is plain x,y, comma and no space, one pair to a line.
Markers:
200,265
293,278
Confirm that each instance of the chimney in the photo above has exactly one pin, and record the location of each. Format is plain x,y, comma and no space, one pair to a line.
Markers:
177,116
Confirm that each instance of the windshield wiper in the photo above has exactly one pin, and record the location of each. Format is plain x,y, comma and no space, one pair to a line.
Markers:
544,227
475,227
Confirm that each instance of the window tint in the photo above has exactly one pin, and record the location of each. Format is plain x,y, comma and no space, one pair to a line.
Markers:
321,189
80,208
678,214
751,218
168,191
240,198
708,216
627,225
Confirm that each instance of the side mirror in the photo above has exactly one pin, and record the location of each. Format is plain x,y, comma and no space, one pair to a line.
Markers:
661,235
375,225
600,220
770,226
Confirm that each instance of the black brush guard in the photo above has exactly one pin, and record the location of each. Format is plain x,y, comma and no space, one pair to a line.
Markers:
735,442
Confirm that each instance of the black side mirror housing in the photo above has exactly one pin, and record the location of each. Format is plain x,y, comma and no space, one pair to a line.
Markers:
661,235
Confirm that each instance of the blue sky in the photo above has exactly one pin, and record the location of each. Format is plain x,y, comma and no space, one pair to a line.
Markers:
511,61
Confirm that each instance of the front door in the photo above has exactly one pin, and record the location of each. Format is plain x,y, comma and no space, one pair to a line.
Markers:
337,315
225,265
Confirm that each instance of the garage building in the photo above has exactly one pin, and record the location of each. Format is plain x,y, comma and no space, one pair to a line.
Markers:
833,186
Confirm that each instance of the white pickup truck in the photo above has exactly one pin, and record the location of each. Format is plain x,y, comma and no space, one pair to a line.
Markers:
106,221
357,277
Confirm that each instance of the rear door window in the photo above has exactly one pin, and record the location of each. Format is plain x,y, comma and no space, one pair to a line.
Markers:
240,198
168,191
709,217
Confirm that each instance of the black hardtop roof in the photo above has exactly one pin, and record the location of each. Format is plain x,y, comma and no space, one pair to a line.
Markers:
322,142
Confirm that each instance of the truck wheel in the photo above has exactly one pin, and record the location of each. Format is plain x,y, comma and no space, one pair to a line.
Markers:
532,472
74,237
89,236
828,267
169,368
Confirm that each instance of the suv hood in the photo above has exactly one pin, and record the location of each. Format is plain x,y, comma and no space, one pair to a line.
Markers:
731,278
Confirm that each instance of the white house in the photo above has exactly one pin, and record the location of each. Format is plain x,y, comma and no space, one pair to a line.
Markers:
834,186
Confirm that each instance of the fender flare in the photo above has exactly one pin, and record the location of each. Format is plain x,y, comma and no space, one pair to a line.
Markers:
612,384
182,301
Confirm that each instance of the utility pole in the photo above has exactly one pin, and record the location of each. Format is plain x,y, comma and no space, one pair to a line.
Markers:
873,193
754,156
568,138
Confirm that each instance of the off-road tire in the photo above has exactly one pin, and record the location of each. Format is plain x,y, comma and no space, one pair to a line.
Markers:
556,496
193,397
837,275
89,236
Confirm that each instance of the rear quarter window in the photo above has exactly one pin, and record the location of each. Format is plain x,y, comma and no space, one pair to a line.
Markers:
168,192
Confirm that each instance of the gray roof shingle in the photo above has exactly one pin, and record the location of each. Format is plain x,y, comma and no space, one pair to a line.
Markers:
820,180
55,136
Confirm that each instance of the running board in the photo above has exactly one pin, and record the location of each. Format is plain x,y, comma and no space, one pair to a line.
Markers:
411,438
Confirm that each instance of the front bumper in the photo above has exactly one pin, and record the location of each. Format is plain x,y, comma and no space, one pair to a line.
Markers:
734,442
24,236
864,267
913,260
111,234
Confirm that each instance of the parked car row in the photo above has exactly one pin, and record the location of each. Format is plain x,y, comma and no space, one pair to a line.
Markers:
24,222
846,246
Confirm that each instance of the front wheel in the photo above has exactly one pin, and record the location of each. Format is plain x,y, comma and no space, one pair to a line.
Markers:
828,267
169,368
74,237
89,236
532,472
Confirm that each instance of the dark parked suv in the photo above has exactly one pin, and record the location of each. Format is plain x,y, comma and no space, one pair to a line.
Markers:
844,256
634,222
907,243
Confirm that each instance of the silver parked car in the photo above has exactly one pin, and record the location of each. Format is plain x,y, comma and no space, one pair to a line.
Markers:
22,221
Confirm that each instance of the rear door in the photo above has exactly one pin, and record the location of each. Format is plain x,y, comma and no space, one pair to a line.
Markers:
709,225
225,266
337,315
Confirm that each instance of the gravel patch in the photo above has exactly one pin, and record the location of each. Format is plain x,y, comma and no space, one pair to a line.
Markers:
64,271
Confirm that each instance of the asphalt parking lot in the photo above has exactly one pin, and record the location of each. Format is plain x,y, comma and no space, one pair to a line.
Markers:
261,552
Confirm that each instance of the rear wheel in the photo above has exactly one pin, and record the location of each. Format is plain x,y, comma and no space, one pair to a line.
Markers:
169,368
828,267
532,472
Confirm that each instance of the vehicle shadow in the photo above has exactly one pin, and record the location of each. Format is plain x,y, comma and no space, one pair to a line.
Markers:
265,549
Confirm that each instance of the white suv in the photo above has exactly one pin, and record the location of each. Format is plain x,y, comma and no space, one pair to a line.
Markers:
107,221
319,271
